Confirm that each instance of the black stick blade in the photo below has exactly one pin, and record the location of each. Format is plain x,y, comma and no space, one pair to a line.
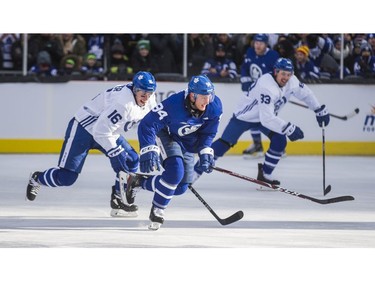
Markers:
330,200
327,190
231,219
340,199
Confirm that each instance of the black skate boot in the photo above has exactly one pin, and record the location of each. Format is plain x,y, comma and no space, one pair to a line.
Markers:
156,218
119,209
33,186
264,178
134,185
255,150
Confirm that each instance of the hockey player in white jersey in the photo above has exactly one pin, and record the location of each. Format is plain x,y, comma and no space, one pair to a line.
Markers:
101,124
258,109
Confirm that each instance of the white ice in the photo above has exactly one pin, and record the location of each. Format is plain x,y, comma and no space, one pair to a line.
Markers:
78,216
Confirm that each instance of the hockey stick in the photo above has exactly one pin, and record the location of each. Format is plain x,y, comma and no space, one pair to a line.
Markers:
231,219
346,117
328,188
281,189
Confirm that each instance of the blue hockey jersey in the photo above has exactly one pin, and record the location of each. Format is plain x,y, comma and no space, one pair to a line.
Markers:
255,66
192,133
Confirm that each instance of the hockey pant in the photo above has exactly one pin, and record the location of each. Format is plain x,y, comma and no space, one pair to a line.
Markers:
76,146
236,128
178,172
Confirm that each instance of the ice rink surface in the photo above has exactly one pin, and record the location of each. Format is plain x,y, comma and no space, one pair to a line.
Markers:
276,227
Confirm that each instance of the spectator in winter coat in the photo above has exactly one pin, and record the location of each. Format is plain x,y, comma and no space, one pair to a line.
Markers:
220,66
305,69
141,60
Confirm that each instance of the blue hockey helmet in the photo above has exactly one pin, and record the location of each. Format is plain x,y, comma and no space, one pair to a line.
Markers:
284,64
261,37
144,81
201,85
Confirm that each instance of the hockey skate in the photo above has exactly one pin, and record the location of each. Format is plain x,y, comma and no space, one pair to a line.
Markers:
33,186
255,150
119,209
265,178
133,186
156,218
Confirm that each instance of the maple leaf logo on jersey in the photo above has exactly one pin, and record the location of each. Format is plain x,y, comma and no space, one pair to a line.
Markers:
188,129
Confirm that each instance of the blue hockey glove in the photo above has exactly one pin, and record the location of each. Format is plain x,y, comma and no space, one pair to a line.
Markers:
322,116
132,160
149,159
118,157
245,83
206,160
293,132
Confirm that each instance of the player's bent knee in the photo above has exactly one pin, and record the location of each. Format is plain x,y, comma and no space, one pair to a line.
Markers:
220,147
173,170
278,142
66,177
181,188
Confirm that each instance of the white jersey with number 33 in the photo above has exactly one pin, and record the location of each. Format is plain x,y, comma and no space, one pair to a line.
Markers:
265,98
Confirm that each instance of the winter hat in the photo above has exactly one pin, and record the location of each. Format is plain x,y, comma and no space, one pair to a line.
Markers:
70,61
117,48
261,37
365,48
143,44
44,58
91,56
220,47
304,50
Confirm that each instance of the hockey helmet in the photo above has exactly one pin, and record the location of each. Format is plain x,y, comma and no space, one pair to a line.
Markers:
284,64
201,85
144,81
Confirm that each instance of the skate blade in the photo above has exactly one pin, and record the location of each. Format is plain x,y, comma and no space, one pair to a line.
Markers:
262,188
121,213
154,226
29,200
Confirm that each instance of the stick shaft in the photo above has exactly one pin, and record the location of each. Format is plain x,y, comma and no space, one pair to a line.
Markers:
331,114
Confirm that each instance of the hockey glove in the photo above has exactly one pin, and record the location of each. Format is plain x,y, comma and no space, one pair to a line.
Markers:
293,132
132,160
149,159
245,83
118,157
206,160
322,116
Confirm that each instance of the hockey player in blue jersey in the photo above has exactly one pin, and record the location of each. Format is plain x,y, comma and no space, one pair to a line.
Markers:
170,135
259,60
258,109
101,124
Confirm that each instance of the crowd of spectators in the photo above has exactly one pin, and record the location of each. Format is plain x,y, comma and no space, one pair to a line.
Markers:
220,56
